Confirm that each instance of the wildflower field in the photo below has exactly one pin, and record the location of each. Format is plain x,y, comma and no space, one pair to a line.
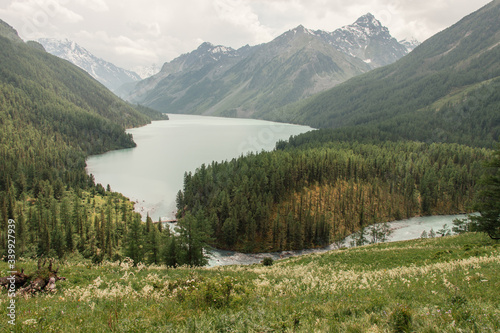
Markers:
447,284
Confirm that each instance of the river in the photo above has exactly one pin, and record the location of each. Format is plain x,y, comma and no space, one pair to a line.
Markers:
401,230
152,173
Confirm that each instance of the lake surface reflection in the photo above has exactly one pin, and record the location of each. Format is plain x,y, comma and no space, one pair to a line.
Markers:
152,173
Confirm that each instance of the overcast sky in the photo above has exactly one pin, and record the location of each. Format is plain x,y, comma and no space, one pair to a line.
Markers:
130,33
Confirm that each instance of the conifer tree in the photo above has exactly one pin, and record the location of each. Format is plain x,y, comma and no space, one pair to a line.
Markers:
194,235
488,199
134,248
153,245
171,252
20,232
66,221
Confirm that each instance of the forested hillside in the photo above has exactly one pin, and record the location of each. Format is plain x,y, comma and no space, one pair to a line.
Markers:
299,198
52,116
446,90
380,156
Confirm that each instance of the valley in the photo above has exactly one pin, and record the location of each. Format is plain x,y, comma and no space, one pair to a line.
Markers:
344,130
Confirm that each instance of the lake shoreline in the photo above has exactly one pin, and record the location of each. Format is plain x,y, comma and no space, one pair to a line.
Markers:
152,173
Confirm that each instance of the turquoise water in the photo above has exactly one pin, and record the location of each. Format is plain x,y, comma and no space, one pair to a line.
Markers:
152,173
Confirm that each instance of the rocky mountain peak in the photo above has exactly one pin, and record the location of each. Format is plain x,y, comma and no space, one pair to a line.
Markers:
368,26
368,20
105,72
301,29
368,40
214,52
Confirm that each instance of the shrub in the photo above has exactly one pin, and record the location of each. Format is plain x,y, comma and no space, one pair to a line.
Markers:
217,294
400,319
268,261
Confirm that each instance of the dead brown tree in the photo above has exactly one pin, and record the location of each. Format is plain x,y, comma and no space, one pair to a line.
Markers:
44,279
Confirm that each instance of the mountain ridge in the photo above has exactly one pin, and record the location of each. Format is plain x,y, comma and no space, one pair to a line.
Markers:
448,86
110,75
253,80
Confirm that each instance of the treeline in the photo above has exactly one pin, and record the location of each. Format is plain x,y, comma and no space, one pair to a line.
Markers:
96,224
52,116
297,198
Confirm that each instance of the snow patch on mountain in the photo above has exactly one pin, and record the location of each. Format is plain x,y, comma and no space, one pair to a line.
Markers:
368,40
103,71
147,71
410,43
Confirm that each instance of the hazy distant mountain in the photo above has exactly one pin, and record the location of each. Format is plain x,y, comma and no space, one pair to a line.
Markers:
410,44
103,71
146,71
252,81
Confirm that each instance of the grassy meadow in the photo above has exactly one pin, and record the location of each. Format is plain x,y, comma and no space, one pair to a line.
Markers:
447,284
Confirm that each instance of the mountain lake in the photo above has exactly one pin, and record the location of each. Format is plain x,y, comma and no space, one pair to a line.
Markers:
152,173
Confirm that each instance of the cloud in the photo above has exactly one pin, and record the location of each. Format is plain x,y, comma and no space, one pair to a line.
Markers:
95,5
131,32
239,16
35,17
141,28
40,11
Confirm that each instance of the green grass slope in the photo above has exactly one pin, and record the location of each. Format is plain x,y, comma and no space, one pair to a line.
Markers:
447,284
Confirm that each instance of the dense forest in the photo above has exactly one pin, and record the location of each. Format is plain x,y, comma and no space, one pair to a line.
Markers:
52,116
385,160
295,198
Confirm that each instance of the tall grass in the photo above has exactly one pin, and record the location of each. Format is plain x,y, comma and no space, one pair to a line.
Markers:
448,284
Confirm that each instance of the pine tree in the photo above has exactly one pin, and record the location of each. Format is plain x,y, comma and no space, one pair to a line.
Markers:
160,225
20,232
154,245
134,241
488,199
44,239
57,241
171,252
66,221
109,238
194,235
230,231
149,223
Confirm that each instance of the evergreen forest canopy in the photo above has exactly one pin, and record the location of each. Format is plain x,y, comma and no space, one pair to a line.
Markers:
296,198
52,116
383,162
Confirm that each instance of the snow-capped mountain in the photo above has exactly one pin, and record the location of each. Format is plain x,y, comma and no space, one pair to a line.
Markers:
410,44
103,71
254,81
368,40
146,71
